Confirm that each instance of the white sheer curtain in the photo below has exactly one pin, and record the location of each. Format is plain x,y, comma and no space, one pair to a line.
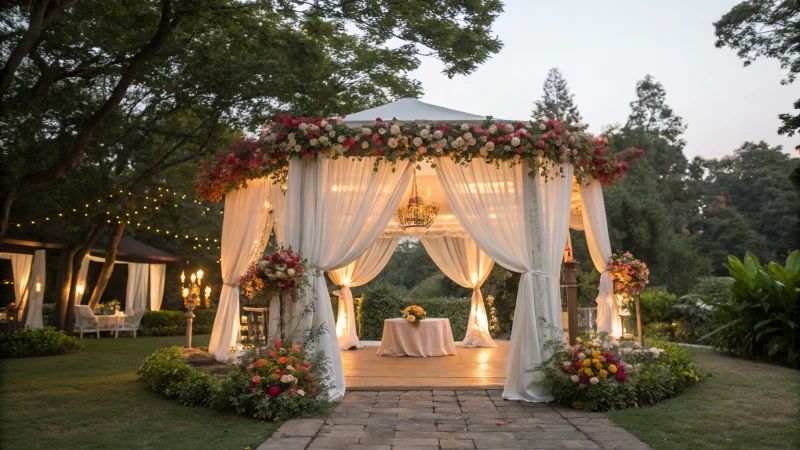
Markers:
136,293
497,205
157,272
554,204
596,226
357,273
34,315
464,262
243,226
335,210
21,271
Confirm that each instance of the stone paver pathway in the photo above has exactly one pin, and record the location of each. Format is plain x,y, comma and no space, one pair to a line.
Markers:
432,420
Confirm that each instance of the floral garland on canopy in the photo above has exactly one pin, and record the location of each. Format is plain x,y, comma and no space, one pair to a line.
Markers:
541,144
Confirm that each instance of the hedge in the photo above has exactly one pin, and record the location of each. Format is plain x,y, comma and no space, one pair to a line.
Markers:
37,342
383,302
173,323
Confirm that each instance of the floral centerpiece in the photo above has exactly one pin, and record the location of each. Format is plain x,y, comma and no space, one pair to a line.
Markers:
276,274
274,382
414,314
107,309
540,144
598,373
628,273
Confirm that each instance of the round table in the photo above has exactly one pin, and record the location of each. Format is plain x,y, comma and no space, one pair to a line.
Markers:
433,337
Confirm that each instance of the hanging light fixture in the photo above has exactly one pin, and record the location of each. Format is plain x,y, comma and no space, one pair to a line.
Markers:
416,213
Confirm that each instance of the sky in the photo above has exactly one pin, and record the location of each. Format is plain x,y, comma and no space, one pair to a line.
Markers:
603,49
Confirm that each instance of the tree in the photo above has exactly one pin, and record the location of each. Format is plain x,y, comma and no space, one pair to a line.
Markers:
557,102
766,28
650,112
63,77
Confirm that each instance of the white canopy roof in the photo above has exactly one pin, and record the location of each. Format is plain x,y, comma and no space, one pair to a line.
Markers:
407,109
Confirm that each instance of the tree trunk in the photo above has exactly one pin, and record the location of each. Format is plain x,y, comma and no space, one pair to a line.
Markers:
6,200
63,286
108,265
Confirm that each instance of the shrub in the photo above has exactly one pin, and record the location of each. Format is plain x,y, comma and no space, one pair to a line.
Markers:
598,374
275,383
762,319
383,302
37,342
173,323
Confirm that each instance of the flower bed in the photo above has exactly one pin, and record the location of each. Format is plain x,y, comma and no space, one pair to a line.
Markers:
599,374
270,383
37,342
541,144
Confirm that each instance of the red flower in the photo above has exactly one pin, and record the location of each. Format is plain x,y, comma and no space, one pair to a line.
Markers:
620,376
274,391
584,379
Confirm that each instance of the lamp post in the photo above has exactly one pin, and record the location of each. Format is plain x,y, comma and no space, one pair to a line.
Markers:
571,284
191,290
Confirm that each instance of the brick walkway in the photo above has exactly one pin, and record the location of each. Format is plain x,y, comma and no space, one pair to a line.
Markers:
432,420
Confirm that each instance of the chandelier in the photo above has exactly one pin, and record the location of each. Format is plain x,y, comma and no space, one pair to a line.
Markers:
416,213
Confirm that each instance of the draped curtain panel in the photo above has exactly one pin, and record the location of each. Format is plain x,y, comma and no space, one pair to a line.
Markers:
157,272
335,210
21,271
137,290
357,273
554,204
465,263
81,282
243,227
497,205
596,227
33,319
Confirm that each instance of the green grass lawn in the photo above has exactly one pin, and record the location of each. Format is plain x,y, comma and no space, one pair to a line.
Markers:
745,405
92,400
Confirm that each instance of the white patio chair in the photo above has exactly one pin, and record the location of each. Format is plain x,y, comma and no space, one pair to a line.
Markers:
131,323
85,320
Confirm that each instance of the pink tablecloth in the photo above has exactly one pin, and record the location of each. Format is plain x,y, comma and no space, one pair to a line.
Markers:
432,337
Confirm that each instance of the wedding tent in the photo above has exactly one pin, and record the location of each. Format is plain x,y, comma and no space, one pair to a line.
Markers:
337,213
146,269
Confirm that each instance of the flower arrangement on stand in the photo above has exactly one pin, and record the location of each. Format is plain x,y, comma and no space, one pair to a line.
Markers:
600,374
629,274
276,274
541,144
414,314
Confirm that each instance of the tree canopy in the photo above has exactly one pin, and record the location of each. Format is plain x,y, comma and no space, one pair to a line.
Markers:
557,101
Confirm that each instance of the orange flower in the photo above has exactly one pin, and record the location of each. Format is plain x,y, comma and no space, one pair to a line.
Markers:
282,360
260,363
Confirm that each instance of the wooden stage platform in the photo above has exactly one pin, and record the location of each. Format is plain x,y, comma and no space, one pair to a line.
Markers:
469,368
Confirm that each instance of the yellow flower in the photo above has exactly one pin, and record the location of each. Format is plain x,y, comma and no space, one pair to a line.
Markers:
411,318
603,374
587,363
612,368
598,365
596,353
588,372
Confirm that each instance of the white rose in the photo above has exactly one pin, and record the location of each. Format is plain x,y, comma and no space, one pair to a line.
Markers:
574,378
365,145
324,139
509,128
262,264
332,134
490,146
301,392
340,139
297,148
507,147
338,148
574,153
483,138
438,134
382,131
392,142
290,368
424,133
366,131
395,129
290,272
472,141
417,142
594,380
324,124
467,136
339,120
303,126
542,126
483,151
515,141
581,355
313,127
442,143
329,128
492,129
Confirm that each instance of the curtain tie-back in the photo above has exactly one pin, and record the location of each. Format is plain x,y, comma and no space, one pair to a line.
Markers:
541,274
316,272
233,285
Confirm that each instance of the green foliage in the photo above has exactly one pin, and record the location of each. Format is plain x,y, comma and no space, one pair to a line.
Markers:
382,301
557,101
648,375
762,319
37,342
167,371
657,304
173,323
